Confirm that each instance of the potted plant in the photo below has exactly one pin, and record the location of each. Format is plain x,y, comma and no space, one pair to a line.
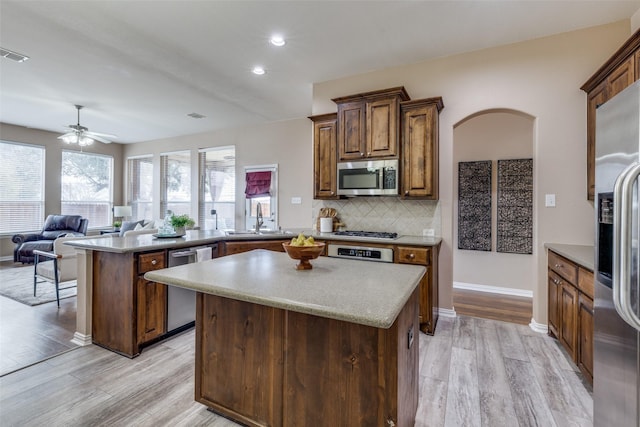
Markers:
116,225
181,222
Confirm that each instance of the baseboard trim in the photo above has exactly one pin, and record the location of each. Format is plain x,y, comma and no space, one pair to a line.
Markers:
541,328
81,339
447,312
493,289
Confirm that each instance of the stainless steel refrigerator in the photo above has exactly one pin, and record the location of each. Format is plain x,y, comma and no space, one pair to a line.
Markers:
616,372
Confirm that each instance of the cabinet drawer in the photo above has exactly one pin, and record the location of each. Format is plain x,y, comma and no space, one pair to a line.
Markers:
151,261
420,256
563,267
585,281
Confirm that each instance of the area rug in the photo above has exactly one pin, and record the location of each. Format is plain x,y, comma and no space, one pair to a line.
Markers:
17,284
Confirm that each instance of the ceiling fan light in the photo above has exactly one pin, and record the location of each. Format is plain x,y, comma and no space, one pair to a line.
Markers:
70,139
85,140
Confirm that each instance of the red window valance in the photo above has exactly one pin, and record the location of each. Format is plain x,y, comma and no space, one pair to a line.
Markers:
258,184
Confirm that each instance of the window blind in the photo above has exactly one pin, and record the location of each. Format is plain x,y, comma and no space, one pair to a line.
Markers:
175,186
140,187
21,187
217,188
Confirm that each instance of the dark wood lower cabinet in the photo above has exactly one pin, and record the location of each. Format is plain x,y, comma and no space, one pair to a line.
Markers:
570,305
585,328
264,366
230,248
127,310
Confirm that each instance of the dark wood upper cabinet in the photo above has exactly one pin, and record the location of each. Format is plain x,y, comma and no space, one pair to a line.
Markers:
419,138
619,72
324,156
368,124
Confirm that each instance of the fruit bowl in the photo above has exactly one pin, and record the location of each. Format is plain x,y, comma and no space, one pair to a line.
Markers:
303,254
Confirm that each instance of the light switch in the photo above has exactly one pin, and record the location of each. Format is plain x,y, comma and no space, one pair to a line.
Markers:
550,200
296,200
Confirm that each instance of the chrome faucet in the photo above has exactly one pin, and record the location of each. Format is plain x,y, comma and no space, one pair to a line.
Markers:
259,220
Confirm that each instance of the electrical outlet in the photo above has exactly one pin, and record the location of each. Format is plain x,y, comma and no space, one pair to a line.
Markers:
428,232
296,200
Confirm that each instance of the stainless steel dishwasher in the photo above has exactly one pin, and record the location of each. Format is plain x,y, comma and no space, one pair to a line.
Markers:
181,303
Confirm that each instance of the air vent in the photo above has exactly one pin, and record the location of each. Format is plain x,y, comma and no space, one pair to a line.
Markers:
15,56
196,116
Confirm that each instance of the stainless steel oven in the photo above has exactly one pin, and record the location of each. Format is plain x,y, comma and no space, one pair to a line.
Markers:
368,178
364,253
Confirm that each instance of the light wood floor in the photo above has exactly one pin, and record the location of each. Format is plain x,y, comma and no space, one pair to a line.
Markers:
473,372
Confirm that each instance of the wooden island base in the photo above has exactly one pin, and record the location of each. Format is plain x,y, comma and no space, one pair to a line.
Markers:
265,366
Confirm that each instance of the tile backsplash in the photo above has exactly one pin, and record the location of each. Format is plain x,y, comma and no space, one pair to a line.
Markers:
390,214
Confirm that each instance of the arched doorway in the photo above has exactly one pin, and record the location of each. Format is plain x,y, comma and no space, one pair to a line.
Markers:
492,135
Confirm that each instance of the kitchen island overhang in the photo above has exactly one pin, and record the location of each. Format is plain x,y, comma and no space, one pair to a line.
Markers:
335,345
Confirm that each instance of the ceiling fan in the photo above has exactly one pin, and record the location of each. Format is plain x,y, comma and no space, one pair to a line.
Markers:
80,135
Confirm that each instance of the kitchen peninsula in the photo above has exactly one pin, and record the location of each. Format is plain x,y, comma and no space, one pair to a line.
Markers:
334,345
117,308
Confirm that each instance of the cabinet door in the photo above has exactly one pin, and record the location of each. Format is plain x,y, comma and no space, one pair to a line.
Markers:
637,66
382,128
351,130
152,310
569,318
621,78
420,152
324,158
585,336
428,298
595,98
553,294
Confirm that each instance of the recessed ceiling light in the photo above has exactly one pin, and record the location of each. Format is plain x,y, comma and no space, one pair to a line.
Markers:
258,70
277,41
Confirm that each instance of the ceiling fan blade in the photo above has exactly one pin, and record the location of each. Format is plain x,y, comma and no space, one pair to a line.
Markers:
67,134
106,135
97,138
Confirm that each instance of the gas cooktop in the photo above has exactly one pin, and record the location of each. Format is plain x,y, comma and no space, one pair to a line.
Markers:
369,234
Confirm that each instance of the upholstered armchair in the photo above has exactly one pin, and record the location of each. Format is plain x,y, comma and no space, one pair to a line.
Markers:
54,226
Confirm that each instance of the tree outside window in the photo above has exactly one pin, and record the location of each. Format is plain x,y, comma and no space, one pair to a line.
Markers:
87,187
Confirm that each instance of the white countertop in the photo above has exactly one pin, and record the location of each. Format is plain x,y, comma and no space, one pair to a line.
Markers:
146,242
363,292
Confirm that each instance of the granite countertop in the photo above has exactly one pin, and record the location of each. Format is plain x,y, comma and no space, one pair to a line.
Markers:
580,254
146,242
367,293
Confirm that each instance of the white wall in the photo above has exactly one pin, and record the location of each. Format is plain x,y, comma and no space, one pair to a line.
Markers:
494,135
287,143
541,78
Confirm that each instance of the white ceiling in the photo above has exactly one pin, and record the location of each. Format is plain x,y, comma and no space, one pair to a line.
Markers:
139,67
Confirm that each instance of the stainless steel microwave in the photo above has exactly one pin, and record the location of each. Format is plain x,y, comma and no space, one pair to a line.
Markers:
368,178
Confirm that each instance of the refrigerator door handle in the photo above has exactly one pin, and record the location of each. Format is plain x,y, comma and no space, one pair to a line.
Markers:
622,247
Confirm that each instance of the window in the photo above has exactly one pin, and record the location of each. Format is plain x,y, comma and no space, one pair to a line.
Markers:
21,187
175,175
268,198
217,188
87,187
140,187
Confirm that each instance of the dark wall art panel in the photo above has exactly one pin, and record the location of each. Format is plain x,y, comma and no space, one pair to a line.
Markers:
514,233
474,205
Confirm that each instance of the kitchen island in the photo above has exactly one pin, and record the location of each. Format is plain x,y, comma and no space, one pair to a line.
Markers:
336,345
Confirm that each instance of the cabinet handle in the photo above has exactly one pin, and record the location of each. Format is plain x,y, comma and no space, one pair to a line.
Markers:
361,154
406,193
154,262
558,265
369,154
411,256
332,193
